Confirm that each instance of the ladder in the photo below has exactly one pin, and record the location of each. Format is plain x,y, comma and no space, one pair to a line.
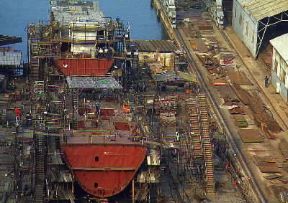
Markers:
194,128
40,160
75,104
207,146
34,68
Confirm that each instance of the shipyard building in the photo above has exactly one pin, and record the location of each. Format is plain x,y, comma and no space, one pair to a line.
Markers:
257,21
279,71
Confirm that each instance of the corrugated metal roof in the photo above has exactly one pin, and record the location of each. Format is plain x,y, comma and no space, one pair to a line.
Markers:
154,45
280,44
167,77
4,40
93,83
260,9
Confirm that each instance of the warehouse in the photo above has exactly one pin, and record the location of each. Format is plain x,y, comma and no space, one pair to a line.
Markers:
280,65
258,21
162,51
10,61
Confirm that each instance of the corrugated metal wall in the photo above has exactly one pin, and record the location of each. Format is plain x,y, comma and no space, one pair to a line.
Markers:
279,75
245,26
10,58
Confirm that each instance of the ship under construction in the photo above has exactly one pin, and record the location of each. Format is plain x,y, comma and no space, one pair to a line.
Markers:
101,117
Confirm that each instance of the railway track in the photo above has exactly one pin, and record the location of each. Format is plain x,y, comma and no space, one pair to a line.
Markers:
220,116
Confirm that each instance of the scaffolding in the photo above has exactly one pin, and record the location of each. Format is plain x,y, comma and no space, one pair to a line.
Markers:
47,42
166,107
207,145
191,144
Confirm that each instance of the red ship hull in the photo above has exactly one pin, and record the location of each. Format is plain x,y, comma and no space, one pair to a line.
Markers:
84,66
104,170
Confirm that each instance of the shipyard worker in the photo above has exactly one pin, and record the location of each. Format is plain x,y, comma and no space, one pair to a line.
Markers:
143,87
97,108
266,80
17,126
177,136
18,112
28,119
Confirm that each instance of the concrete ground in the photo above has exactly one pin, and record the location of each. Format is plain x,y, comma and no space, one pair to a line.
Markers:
258,71
255,71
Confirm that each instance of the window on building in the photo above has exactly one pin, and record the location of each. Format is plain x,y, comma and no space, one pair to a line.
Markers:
240,19
286,80
282,71
282,75
275,65
278,70
247,29
274,60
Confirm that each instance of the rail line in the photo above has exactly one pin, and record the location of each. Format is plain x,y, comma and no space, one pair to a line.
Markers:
234,147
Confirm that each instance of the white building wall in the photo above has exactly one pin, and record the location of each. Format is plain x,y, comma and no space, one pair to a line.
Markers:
245,26
10,58
79,48
279,75
84,36
165,59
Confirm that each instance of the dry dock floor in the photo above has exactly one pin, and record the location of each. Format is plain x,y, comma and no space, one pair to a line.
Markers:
231,81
